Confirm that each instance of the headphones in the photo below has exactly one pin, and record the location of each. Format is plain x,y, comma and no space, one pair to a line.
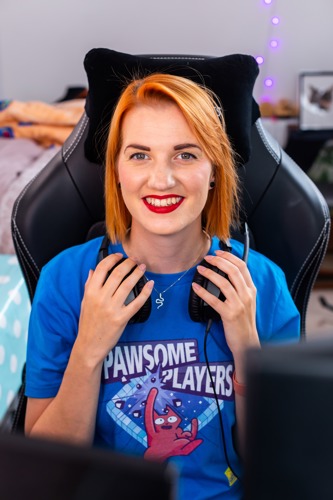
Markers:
198,309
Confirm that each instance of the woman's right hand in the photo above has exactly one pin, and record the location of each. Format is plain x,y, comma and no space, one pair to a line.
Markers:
104,314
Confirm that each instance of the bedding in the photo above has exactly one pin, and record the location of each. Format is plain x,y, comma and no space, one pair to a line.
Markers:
31,133
14,315
30,136
20,161
47,124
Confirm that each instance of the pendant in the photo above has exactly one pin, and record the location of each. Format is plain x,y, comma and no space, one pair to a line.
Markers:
159,301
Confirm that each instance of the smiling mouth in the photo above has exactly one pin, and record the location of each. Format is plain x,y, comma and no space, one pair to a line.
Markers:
163,205
163,202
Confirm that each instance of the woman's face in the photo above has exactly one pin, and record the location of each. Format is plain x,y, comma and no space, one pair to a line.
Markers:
163,171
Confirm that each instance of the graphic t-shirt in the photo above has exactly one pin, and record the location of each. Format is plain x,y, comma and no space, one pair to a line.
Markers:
157,392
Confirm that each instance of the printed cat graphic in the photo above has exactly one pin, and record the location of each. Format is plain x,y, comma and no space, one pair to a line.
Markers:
164,435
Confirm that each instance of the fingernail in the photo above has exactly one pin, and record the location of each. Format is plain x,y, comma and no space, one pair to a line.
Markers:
195,286
209,258
142,267
150,284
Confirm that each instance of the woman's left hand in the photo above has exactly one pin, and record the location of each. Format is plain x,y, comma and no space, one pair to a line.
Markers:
238,311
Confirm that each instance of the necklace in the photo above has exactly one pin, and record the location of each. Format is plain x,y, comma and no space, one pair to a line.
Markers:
160,299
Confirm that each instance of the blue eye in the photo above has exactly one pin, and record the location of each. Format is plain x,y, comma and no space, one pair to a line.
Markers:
187,156
138,156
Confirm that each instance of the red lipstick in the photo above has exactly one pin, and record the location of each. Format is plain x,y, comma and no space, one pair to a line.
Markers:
163,204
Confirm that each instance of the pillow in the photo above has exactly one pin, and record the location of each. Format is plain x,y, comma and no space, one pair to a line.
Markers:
231,77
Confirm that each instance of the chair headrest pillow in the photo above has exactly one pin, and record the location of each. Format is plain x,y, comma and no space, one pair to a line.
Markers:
231,77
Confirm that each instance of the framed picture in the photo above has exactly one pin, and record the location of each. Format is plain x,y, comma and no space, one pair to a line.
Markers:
316,100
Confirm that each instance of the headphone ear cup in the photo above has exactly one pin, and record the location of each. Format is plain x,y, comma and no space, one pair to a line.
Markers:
199,310
144,312
195,304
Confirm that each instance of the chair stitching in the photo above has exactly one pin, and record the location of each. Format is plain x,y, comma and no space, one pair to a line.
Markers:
311,256
178,57
309,266
310,279
69,150
17,232
18,411
326,218
263,136
26,265
25,261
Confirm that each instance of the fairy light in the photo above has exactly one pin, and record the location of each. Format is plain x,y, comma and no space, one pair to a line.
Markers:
272,45
260,60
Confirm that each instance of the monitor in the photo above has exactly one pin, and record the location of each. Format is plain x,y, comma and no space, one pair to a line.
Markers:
40,469
289,439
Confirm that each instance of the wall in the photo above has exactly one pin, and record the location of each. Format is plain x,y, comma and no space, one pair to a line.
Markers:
43,43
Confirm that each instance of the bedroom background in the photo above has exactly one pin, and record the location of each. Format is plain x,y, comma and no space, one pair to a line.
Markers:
42,47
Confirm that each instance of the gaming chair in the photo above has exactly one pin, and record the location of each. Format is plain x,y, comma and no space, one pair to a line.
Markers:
63,205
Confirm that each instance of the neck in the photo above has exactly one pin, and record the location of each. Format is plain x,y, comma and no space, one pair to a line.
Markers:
167,254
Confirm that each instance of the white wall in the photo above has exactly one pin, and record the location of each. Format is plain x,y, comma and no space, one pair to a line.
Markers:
43,42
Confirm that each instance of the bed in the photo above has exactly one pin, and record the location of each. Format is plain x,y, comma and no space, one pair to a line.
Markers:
30,135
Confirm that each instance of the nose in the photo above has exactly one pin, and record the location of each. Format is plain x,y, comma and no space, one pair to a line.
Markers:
161,176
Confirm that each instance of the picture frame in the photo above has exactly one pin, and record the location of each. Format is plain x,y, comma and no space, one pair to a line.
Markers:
316,100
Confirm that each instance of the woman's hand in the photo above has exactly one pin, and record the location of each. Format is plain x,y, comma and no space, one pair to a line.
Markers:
238,311
104,314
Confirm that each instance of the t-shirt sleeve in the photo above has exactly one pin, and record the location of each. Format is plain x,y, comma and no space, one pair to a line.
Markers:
52,331
285,318
279,319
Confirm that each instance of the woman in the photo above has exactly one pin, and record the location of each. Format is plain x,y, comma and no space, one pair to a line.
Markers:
95,375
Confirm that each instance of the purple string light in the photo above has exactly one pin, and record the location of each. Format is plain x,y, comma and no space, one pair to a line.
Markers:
273,44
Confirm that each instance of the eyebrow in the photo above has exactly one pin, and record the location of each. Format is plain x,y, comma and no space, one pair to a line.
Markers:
185,146
176,148
138,146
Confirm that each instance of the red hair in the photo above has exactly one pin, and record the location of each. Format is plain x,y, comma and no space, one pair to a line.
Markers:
201,110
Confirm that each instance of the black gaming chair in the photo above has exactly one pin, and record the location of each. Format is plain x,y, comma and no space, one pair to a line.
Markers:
288,217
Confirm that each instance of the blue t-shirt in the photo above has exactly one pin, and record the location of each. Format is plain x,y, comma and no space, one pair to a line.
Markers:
156,396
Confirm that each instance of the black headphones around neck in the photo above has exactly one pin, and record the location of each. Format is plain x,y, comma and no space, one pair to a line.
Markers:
198,309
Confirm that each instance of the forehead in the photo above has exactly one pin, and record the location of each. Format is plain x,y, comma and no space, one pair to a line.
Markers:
155,121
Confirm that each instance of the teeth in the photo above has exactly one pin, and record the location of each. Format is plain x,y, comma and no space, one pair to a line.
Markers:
165,202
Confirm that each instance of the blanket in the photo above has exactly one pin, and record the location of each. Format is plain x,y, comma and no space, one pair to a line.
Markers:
20,161
46,124
14,318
